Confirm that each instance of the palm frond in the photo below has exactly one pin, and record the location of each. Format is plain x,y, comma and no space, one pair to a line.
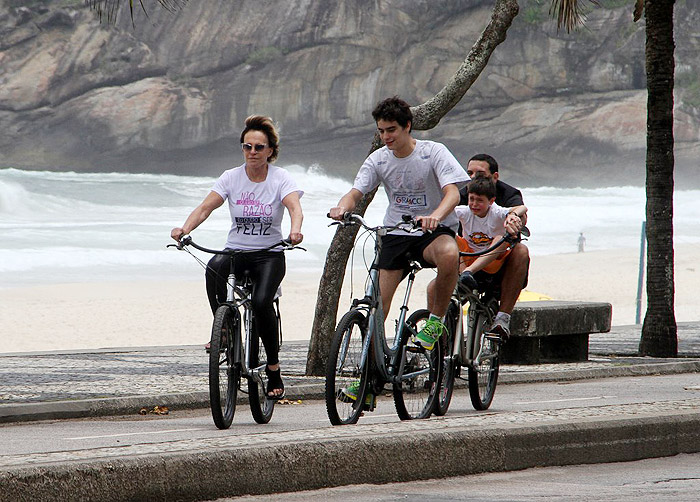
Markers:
569,13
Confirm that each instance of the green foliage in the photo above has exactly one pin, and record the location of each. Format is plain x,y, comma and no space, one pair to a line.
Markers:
535,11
264,55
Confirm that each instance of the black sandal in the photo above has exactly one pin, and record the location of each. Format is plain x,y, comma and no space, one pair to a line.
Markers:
274,381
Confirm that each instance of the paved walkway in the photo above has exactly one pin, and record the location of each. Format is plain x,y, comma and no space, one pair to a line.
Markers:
229,463
116,380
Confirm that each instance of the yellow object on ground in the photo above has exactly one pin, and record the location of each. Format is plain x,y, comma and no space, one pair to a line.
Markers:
531,296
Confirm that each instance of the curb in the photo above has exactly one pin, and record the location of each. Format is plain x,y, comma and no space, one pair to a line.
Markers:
351,455
52,410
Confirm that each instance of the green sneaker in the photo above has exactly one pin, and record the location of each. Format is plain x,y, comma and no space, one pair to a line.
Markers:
432,330
349,394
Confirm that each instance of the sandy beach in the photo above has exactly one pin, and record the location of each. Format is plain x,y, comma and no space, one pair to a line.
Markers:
127,314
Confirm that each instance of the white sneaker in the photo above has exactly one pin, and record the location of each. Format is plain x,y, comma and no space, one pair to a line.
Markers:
500,327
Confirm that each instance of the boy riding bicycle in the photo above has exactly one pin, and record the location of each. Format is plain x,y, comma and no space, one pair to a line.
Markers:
483,222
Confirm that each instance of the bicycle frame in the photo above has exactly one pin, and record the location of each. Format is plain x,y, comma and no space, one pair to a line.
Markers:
465,346
372,301
237,297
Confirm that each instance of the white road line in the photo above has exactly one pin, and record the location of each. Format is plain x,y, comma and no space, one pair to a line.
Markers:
594,398
135,434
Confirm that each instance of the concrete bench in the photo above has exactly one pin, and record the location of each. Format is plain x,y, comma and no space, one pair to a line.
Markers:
554,331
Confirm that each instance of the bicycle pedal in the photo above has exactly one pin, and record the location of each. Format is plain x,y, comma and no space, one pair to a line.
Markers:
416,349
493,337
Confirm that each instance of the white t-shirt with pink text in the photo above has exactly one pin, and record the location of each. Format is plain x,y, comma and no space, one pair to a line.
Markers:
256,208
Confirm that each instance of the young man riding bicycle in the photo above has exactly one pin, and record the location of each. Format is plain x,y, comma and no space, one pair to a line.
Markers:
422,179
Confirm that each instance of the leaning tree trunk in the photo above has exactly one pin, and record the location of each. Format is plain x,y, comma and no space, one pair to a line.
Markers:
425,116
659,330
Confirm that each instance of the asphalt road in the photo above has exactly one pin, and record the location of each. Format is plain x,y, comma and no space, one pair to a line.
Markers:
674,479
85,434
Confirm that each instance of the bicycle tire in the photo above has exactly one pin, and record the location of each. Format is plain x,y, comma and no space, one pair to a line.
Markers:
483,376
344,368
260,406
414,398
449,370
224,366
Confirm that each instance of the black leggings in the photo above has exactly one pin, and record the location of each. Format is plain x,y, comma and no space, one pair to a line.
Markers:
266,269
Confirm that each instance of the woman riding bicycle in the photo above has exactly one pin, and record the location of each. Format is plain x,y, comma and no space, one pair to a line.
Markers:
257,193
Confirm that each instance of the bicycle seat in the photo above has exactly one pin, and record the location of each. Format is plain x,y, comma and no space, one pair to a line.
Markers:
247,282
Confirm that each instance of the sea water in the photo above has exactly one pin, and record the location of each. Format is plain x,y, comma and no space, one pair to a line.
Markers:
58,227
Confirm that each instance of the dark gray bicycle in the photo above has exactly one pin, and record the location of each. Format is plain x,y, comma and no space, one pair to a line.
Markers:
361,360
231,357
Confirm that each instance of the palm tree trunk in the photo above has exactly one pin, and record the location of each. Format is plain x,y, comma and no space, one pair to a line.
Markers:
659,332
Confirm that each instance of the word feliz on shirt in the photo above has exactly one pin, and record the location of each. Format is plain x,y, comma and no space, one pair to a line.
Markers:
257,216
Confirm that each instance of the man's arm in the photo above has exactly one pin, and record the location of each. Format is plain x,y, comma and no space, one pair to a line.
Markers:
347,203
516,218
450,199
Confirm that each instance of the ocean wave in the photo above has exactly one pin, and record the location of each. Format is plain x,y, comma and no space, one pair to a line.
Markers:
68,224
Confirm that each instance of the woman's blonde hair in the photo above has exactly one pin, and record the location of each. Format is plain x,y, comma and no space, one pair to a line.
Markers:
266,126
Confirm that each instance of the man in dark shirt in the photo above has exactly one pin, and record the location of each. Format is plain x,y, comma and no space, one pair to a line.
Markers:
506,195
517,263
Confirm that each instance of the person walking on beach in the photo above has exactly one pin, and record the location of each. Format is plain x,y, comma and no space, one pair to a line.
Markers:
422,178
257,193
581,242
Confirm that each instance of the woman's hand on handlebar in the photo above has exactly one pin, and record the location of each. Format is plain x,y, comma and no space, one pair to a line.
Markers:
295,238
177,233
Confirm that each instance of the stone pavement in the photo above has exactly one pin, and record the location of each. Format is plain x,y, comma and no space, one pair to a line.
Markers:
114,381
54,385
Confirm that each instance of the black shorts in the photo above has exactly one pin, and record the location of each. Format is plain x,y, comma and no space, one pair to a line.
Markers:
398,250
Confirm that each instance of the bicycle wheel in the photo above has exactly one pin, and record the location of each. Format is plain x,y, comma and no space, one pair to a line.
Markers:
416,394
483,372
448,374
260,406
344,369
224,366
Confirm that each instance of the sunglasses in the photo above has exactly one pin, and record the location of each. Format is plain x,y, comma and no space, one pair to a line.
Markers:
258,148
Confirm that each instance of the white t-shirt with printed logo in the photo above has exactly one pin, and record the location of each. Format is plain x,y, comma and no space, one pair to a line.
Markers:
413,184
256,208
481,232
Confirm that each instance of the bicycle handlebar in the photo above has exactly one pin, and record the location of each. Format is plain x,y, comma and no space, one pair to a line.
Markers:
511,239
354,219
186,240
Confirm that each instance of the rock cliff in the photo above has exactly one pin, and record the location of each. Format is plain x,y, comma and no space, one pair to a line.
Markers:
170,92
